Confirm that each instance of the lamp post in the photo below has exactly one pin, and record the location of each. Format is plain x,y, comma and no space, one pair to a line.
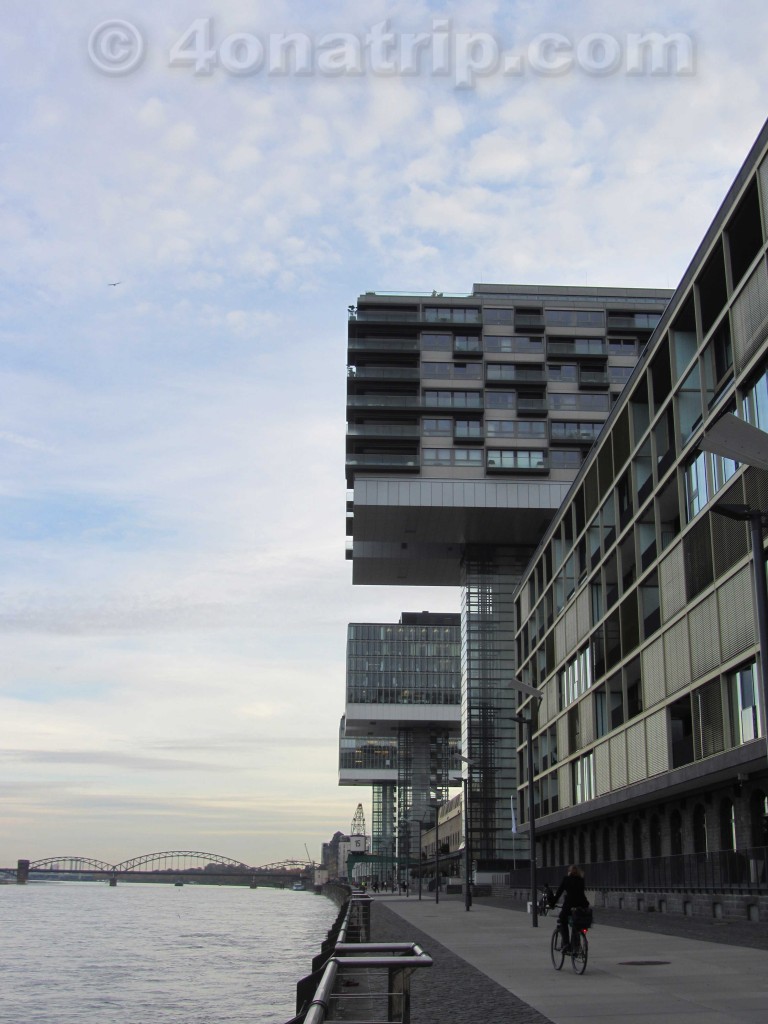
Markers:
467,845
420,823
437,805
530,691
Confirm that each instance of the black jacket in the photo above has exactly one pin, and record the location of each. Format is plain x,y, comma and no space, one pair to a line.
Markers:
575,894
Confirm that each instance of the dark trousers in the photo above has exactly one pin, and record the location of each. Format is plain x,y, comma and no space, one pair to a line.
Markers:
562,921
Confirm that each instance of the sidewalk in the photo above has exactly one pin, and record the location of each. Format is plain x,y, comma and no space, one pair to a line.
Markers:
633,977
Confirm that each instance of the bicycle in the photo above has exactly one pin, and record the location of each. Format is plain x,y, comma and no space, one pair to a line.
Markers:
579,945
545,900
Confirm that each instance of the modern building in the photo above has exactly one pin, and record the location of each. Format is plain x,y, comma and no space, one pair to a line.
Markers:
468,417
635,619
401,730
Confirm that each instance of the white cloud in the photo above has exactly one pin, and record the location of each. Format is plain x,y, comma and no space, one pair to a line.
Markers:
172,520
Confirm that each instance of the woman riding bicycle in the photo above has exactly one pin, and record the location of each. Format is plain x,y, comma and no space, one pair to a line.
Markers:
574,895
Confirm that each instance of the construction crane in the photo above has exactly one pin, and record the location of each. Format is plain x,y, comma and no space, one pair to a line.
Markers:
358,822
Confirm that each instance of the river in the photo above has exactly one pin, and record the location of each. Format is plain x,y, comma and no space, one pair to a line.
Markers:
85,953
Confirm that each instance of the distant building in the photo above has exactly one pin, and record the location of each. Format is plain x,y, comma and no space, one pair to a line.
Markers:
400,733
468,417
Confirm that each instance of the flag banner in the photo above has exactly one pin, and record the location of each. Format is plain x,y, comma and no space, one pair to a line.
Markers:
514,816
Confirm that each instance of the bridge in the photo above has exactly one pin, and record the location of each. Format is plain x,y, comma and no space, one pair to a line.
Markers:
169,866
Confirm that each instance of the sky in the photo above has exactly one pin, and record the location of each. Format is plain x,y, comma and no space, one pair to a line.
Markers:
174,592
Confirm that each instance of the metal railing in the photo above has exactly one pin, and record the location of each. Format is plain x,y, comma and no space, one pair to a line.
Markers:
726,871
360,980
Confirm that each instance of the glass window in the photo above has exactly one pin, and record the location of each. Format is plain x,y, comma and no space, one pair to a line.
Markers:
434,426
516,458
498,316
743,698
501,399
696,495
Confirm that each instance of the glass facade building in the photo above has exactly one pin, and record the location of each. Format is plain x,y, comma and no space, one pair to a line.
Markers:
635,618
468,417
401,729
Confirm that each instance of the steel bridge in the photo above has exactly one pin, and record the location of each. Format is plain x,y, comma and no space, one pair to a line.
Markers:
192,864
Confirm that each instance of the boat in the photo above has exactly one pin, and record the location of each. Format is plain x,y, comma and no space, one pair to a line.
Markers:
298,887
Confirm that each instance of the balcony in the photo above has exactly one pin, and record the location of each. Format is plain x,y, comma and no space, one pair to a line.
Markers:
593,379
580,347
383,373
407,430
388,401
532,406
529,320
511,373
402,462
383,345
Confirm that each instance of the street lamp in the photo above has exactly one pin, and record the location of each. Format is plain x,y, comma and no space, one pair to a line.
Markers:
467,845
530,691
736,439
437,804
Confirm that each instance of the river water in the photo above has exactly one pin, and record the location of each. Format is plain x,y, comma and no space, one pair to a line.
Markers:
85,953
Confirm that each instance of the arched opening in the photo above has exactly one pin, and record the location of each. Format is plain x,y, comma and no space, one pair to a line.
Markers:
699,829
727,824
606,843
621,853
655,835
637,839
758,817
593,854
676,832
571,850
582,847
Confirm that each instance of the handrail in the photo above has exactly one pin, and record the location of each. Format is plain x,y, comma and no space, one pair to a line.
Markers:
397,959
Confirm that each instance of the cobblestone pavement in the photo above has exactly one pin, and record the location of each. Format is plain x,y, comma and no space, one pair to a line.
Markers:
451,991
750,934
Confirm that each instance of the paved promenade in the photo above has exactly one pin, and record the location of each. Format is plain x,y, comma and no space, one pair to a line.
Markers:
491,965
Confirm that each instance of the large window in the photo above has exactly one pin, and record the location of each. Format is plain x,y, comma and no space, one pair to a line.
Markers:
583,778
461,457
517,428
575,677
744,704
454,399
516,459
453,314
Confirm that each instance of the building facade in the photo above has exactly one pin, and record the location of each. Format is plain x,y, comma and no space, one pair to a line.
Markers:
401,729
468,417
635,619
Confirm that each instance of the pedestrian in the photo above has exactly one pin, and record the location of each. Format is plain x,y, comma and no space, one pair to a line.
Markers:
574,895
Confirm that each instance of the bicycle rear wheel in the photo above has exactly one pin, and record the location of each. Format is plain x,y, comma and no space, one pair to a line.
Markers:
580,952
556,949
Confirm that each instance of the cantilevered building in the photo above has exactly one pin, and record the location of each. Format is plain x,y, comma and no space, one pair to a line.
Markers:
468,417
636,617
401,729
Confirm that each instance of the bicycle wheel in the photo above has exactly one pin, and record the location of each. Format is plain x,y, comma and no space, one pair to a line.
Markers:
580,953
556,949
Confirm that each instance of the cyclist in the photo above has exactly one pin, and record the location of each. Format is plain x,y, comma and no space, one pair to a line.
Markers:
574,895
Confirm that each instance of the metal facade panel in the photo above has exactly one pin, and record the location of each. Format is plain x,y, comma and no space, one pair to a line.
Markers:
677,657
636,759
704,637
603,768
583,614
561,649
587,719
571,629
564,786
654,688
618,761
672,583
656,743
736,613
749,316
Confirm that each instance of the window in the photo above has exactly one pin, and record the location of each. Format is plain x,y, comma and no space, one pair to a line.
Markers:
516,459
580,402
514,343
433,342
583,778
574,317
562,372
466,457
743,700
454,399
471,343
498,316
468,428
453,314
451,371
575,430
501,400
565,458
696,495
437,427
575,677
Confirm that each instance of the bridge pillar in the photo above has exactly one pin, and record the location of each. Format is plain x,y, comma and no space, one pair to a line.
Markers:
113,879
22,872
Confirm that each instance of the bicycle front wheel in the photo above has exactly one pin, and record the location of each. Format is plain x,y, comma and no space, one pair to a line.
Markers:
556,949
580,953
